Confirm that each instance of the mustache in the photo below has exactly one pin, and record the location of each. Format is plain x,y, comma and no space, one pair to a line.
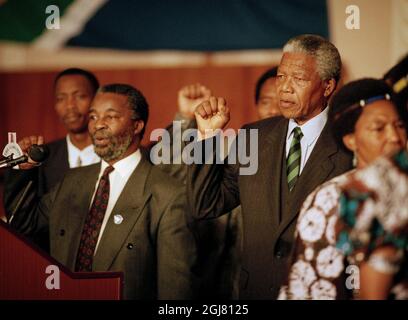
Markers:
72,114
101,134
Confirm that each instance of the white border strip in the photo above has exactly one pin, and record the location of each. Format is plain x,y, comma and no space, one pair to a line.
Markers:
22,57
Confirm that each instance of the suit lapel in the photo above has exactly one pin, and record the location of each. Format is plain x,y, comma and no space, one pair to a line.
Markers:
64,155
317,169
129,205
274,149
73,221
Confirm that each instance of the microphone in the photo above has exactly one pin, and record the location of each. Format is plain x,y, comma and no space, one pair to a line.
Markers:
37,153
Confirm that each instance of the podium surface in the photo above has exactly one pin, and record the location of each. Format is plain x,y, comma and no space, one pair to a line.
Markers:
26,272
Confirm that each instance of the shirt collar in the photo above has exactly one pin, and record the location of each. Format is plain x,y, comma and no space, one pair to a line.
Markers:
74,152
125,166
311,129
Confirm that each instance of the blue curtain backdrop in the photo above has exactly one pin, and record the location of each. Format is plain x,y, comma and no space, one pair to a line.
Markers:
203,25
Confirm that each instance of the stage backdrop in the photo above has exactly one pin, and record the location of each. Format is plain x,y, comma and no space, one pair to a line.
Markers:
203,25
27,98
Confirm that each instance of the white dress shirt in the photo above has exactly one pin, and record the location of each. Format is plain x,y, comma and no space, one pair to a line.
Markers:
311,132
79,158
117,181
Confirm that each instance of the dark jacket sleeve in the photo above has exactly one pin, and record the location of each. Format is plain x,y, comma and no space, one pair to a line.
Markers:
176,168
17,180
212,189
26,211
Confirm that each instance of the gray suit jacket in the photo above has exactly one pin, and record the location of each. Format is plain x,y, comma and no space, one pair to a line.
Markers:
152,246
269,214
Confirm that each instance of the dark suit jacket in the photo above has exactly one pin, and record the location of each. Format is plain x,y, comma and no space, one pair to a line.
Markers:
219,240
268,218
152,246
51,171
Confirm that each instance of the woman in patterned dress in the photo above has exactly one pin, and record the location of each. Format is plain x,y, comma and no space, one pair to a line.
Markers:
372,230
366,120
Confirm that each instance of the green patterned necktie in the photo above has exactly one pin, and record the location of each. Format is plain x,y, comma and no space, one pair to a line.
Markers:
294,157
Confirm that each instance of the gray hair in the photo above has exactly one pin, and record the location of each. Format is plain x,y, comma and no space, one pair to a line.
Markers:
327,56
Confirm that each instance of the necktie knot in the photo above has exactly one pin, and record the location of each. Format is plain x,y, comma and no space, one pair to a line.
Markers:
294,158
108,170
297,133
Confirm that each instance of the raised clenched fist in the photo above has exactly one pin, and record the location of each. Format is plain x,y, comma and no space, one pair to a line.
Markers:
212,114
189,97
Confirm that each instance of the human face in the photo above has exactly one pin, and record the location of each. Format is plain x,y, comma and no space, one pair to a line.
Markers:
268,103
378,131
302,94
111,127
73,96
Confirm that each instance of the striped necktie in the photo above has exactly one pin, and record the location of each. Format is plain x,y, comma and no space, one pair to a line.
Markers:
93,224
294,157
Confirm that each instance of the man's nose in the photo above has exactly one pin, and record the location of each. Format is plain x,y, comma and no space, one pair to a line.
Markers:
286,85
100,124
71,103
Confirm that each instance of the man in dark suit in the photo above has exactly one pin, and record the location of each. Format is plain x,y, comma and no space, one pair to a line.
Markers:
74,90
121,215
296,154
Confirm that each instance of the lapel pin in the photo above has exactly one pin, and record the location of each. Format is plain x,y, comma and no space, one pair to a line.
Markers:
117,219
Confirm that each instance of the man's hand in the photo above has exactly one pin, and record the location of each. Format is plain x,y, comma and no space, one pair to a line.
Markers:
212,114
25,144
189,97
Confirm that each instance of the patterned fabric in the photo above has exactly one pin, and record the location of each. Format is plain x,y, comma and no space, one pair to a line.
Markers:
342,222
317,266
374,214
93,224
294,157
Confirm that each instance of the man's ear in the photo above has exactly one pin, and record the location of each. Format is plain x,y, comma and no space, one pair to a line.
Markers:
139,125
330,86
350,142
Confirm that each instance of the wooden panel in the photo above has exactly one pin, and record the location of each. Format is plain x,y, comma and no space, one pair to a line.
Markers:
23,275
27,98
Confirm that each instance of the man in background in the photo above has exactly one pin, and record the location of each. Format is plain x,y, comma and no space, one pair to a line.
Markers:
266,97
74,90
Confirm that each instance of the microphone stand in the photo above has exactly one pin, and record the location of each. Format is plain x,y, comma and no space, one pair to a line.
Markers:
10,162
6,159
20,201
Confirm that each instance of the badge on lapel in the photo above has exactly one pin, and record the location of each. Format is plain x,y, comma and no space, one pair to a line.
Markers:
117,219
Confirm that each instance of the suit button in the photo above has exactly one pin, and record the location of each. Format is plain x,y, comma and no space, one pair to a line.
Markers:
129,246
62,232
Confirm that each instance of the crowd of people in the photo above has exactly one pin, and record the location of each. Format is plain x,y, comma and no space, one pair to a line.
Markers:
329,194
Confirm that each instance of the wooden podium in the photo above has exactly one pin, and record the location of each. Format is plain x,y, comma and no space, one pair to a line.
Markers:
23,274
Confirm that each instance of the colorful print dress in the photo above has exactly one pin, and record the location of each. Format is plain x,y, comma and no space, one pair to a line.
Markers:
341,223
